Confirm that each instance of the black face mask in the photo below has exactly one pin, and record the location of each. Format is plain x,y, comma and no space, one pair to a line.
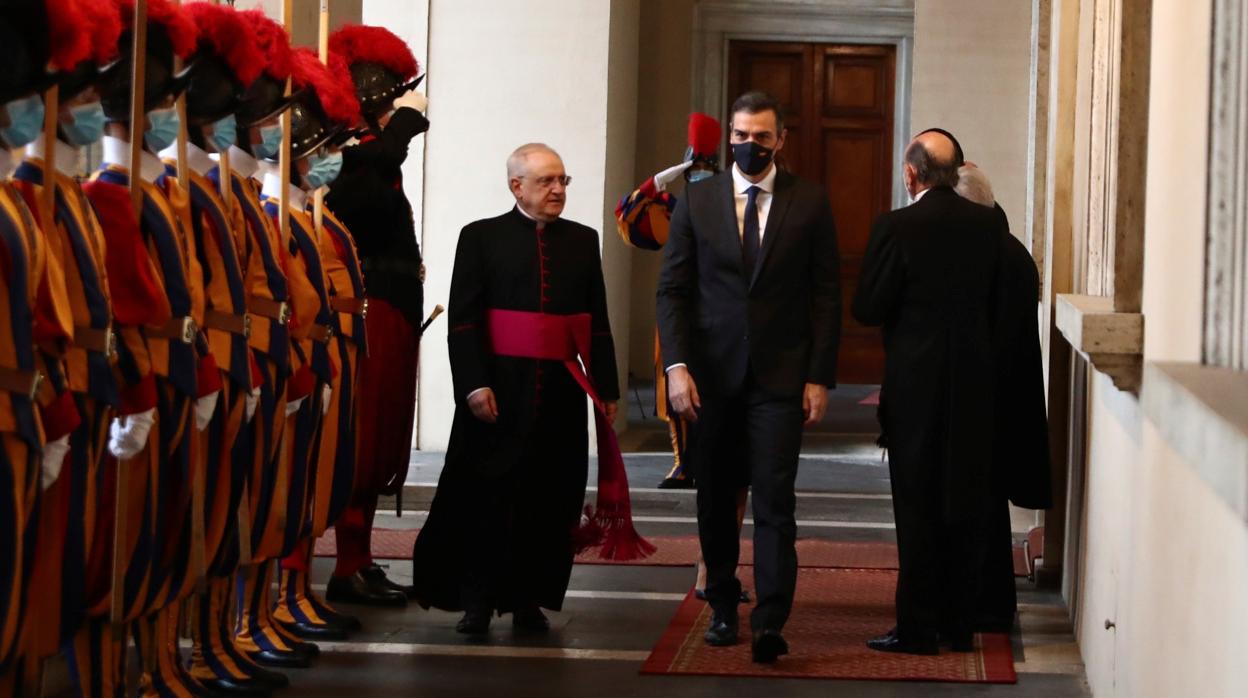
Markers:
751,157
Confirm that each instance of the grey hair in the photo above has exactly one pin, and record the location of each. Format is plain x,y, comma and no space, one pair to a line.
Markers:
516,162
973,185
930,171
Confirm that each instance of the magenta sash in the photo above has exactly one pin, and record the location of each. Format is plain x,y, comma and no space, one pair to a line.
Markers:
566,338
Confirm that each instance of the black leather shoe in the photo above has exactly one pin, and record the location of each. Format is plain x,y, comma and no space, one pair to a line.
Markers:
676,483
345,621
530,619
892,642
960,641
281,659
237,687
723,630
376,576
358,589
474,623
310,631
700,595
768,645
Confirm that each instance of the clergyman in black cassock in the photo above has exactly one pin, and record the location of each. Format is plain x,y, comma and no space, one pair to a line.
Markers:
929,279
500,531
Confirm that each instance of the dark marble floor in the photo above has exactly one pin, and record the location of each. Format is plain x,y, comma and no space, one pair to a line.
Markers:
614,615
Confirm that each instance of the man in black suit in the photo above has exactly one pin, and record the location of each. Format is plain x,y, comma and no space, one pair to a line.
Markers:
749,305
929,277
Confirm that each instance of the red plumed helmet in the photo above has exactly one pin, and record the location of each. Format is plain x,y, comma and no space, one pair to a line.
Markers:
704,135
330,83
177,24
228,36
69,34
272,40
104,29
358,43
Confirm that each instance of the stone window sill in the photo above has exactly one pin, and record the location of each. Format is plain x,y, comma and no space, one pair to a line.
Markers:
1202,412
1112,342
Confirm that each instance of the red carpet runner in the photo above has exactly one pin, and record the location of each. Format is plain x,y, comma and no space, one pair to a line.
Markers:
673,551
835,612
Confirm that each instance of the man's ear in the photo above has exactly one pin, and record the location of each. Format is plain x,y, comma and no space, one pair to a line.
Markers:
514,185
780,141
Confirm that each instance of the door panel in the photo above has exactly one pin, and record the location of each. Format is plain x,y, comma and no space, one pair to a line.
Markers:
838,102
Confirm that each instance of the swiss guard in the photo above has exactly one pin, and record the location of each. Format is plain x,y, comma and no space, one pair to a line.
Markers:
642,220
83,37
252,632
23,267
368,198
227,62
320,119
156,448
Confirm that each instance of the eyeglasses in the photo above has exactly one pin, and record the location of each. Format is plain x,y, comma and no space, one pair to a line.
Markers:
550,180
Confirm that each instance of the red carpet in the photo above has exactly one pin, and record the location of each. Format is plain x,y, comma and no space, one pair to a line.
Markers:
680,551
673,551
835,612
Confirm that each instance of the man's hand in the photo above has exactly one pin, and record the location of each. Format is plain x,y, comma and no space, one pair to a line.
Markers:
814,402
413,99
612,408
682,392
483,405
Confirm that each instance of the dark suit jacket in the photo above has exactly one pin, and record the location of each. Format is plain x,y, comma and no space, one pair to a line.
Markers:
782,320
929,277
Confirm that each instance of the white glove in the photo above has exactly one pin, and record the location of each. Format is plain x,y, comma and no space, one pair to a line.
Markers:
250,402
292,406
327,392
127,435
414,99
666,177
54,453
204,407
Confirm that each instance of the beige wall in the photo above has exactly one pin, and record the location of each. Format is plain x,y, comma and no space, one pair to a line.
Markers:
663,102
1164,558
972,67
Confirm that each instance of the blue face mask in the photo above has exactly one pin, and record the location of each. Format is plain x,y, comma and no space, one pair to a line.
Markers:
270,142
324,170
88,126
699,175
224,133
163,130
25,121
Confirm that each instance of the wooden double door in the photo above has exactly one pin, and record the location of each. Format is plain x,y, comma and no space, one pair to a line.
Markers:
838,102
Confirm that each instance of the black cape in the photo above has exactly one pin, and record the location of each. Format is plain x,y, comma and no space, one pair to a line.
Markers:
511,493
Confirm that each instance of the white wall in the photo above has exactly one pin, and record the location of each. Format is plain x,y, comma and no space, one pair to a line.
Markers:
503,73
972,68
1165,559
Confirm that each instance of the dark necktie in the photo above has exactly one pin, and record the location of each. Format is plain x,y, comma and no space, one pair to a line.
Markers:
749,234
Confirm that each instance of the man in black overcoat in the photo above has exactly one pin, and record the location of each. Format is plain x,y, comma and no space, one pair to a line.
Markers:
929,277
500,531
1020,434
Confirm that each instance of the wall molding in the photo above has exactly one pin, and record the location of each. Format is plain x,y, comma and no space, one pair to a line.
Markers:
717,22
1226,252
